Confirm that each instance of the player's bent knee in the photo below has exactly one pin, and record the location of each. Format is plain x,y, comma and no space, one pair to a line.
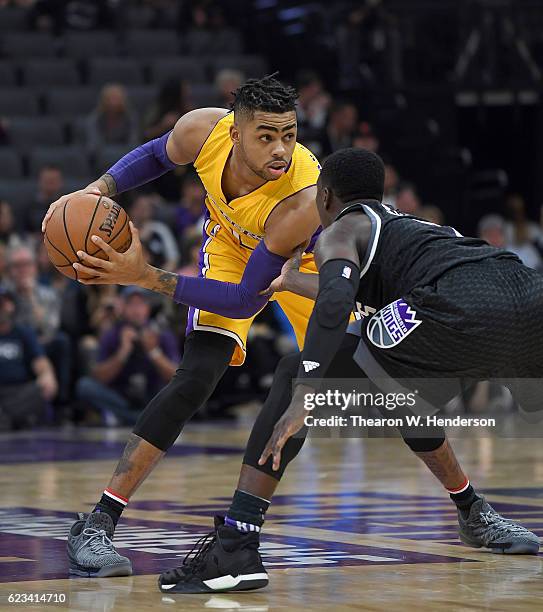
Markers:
275,405
205,359
424,445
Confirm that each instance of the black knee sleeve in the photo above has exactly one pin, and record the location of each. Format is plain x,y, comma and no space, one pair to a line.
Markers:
205,359
424,445
275,405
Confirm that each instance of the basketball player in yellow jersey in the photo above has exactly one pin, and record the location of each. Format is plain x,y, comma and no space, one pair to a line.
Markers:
261,188
261,208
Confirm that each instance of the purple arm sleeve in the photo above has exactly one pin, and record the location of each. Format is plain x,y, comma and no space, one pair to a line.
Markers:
228,299
145,163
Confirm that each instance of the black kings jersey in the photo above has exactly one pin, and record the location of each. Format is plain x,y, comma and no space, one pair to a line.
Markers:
405,252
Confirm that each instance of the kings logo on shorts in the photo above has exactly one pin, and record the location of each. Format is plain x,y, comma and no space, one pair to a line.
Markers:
392,324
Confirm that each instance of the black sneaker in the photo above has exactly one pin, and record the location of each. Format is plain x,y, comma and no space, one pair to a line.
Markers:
224,560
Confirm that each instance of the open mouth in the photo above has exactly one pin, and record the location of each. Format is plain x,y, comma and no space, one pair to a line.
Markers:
277,168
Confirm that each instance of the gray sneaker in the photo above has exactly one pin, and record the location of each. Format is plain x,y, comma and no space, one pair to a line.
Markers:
90,550
484,527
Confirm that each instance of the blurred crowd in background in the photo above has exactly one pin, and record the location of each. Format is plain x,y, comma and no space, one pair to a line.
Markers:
82,83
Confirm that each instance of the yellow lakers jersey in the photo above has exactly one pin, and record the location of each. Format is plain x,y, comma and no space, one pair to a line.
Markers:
246,216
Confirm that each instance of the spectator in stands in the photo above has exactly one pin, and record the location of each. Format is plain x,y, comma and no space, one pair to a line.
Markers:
432,213
72,14
50,187
366,138
155,235
112,122
191,207
39,307
340,128
8,235
522,236
226,82
392,180
312,109
4,131
3,263
408,200
191,252
135,360
173,101
492,229
27,379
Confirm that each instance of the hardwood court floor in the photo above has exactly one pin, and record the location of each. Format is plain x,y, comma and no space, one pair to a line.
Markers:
356,524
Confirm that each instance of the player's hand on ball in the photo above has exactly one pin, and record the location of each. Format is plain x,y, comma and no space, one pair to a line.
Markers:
126,268
290,423
62,200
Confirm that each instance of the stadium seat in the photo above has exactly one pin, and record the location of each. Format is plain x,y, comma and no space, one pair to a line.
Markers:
13,18
18,102
8,74
74,183
205,42
166,68
29,44
141,98
98,43
50,73
250,65
72,160
71,102
10,164
151,43
204,94
108,155
20,194
115,70
28,132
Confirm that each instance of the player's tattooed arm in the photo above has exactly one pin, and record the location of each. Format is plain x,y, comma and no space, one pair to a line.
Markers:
106,185
161,281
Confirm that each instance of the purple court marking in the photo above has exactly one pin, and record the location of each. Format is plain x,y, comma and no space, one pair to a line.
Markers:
39,537
29,450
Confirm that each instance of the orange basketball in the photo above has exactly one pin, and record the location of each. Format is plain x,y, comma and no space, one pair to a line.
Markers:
71,226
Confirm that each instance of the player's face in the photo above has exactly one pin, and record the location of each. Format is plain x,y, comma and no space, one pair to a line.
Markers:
267,142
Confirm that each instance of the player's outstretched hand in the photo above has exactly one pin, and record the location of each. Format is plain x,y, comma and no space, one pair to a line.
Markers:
62,200
290,423
126,268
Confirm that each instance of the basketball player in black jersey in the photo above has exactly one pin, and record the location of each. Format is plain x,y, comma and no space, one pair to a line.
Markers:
442,307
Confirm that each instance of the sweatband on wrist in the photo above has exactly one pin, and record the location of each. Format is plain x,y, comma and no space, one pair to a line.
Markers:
236,301
338,285
142,165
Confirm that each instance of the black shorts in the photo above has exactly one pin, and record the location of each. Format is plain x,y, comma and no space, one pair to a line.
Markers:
478,321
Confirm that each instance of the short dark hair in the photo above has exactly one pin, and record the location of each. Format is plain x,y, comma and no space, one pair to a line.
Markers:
354,174
266,94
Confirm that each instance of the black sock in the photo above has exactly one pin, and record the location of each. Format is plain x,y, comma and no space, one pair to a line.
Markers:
464,499
113,504
246,512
